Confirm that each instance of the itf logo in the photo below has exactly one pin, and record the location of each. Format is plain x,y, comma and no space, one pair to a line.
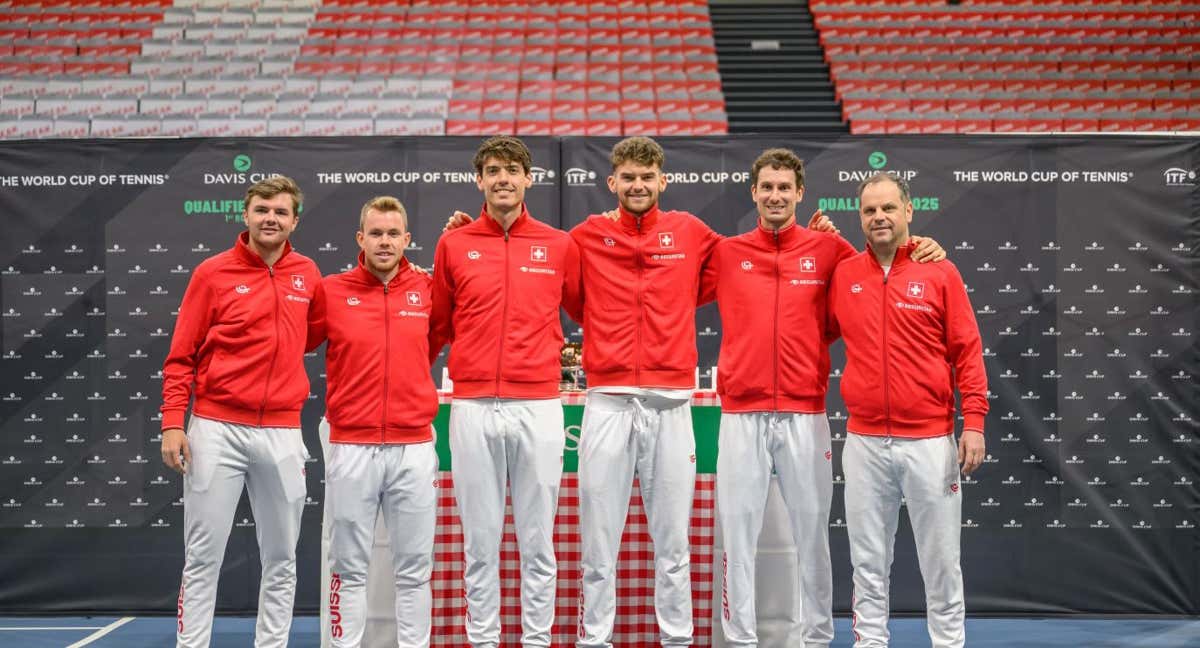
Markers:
577,177
1177,177
541,175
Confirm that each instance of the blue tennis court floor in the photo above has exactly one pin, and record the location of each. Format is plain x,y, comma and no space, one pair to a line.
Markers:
238,632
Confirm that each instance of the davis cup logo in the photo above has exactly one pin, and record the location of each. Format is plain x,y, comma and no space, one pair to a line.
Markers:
808,264
298,282
666,240
538,254
916,289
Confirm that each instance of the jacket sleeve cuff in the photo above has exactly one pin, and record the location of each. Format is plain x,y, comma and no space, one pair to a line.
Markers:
973,422
172,419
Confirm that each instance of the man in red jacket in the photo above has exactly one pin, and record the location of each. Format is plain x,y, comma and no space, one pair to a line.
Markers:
641,274
911,339
770,284
497,287
773,373
380,404
238,347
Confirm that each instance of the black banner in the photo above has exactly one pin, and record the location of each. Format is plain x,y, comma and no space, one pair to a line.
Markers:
1080,255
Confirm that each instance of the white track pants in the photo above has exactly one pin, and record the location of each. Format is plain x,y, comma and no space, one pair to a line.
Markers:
401,482
879,471
621,435
494,442
270,463
797,448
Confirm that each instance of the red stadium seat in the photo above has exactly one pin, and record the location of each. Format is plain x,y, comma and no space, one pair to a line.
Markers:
973,125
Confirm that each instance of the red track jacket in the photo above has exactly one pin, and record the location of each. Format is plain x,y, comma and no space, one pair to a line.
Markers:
379,389
240,339
772,288
910,338
496,296
640,284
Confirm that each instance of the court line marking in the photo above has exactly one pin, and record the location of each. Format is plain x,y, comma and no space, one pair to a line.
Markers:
101,632
35,628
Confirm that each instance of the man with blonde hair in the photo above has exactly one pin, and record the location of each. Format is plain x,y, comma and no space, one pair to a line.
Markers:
238,348
380,404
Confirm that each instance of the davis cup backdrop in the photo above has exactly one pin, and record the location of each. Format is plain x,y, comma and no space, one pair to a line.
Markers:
1080,255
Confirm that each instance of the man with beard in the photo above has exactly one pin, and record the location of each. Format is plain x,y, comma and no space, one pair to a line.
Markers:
238,347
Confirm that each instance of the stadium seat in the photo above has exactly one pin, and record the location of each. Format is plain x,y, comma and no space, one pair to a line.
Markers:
1023,62
209,58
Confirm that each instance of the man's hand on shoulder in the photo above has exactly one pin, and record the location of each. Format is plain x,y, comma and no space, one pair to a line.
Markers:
927,250
819,222
457,220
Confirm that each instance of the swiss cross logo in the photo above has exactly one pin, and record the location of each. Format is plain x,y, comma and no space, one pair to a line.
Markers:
537,253
808,264
856,288
916,289
666,240
298,282
414,298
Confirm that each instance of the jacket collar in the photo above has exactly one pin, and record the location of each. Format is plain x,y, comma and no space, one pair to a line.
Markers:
492,226
786,235
243,251
903,255
630,222
365,276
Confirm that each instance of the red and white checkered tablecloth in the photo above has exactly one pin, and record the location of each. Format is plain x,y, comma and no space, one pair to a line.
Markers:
635,623
700,398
